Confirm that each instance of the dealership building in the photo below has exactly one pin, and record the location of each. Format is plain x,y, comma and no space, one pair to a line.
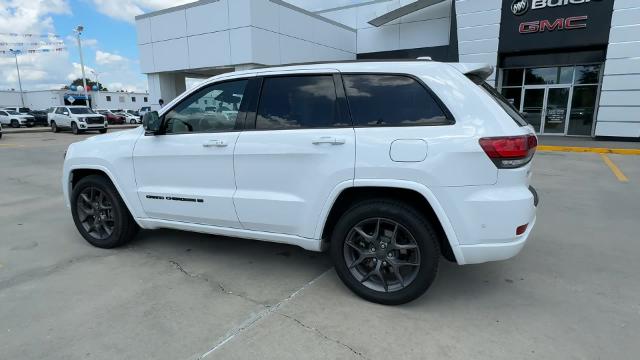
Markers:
572,66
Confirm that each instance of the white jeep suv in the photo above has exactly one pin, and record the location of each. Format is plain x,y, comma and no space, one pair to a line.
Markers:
389,165
76,118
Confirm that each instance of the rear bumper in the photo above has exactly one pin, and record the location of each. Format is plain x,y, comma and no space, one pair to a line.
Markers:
481,253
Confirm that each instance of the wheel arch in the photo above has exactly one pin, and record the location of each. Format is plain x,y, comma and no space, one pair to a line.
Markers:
416,195
79,172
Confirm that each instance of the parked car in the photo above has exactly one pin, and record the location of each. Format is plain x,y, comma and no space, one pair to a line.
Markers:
76,118
130,118
40,117
15,119
388,165
111,116
143,110
0,131
18,109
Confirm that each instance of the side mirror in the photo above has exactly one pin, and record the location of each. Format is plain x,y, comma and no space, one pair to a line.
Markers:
151,123
66,113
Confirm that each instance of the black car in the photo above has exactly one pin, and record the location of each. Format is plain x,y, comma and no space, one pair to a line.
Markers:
40,117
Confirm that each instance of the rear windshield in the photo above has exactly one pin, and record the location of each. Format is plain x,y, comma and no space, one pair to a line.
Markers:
24,110
81,111
505,104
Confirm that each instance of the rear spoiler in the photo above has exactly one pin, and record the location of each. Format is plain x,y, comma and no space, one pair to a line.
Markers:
477,72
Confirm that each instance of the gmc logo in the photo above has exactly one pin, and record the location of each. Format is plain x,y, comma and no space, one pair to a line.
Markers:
570,23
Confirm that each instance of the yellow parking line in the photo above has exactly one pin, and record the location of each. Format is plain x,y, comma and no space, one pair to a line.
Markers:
614,168
11,145
589,150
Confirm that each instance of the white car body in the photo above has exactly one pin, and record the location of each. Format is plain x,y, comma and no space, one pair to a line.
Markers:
281,185
64,117
130,118
8,114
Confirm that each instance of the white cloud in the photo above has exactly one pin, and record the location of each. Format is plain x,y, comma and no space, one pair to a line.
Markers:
105,58
126,10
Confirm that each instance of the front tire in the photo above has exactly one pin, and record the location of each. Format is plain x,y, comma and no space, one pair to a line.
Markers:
54,127
385,251
74,129
99,213
15,123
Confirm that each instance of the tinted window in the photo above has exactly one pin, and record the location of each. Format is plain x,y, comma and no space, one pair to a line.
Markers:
506,105
391,100
3,113
298,102
191,115
59,110
81,111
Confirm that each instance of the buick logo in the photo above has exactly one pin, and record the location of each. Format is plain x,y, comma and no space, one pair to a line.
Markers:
519,7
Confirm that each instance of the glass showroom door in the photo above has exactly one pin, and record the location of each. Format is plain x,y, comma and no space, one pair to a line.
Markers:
533,106
556,110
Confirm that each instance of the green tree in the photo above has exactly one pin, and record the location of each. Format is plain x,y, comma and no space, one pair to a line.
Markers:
78,82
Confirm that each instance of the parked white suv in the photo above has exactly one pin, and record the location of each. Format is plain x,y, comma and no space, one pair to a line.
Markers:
15,119
388,164
76,118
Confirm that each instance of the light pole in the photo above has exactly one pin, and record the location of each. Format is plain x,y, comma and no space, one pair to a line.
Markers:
15,54
78,30
97,86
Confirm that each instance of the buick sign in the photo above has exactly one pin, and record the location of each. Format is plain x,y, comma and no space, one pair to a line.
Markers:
519,7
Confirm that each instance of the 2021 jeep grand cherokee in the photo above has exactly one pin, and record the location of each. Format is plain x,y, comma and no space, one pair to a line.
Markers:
388,164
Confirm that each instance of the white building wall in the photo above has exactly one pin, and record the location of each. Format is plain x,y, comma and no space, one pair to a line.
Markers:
119,100
428,27
10,98
479,31
40,100
619,110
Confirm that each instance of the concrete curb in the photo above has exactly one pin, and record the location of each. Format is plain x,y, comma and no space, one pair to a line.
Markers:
42,129
589,150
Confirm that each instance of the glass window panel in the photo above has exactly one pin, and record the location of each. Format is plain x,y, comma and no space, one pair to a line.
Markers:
512,77
589,74
583,107
513,96
541,76
566,75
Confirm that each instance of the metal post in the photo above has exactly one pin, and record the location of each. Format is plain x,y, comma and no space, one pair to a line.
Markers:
15,54
97,86
78,31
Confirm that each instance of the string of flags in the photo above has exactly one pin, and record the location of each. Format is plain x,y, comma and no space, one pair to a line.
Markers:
31,35
33,51
40,43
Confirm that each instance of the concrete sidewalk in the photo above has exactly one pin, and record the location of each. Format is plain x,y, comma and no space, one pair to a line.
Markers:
40,129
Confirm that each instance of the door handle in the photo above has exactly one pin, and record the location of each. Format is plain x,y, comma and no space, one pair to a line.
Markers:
328,140
215,143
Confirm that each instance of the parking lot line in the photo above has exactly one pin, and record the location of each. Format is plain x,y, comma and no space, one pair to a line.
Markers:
11,145
589,150
614,168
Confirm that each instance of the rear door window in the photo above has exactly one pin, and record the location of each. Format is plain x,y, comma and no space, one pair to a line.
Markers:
391,100
298,102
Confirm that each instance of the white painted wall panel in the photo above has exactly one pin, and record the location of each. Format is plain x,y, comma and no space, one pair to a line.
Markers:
209,50
145,52
384,38
294,50
479,33
617,114
474,6
478,46
625,4
624,50
294,23
424,33
625,33
167,26
618,129
240,40
625,17
171,55
487,58
621,82
479,19
333,36
207,18
265,47
264,14
620,98
143,31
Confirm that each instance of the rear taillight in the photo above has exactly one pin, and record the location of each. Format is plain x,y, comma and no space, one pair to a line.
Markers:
509,152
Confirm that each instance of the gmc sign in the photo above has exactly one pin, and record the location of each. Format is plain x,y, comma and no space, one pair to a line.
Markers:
544,25
570,23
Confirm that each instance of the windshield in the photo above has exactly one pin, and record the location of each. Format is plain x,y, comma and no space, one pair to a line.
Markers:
12,112
24,110
81,111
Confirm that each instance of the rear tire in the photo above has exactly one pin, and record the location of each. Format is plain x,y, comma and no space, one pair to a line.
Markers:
392,265
99,213
133,121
